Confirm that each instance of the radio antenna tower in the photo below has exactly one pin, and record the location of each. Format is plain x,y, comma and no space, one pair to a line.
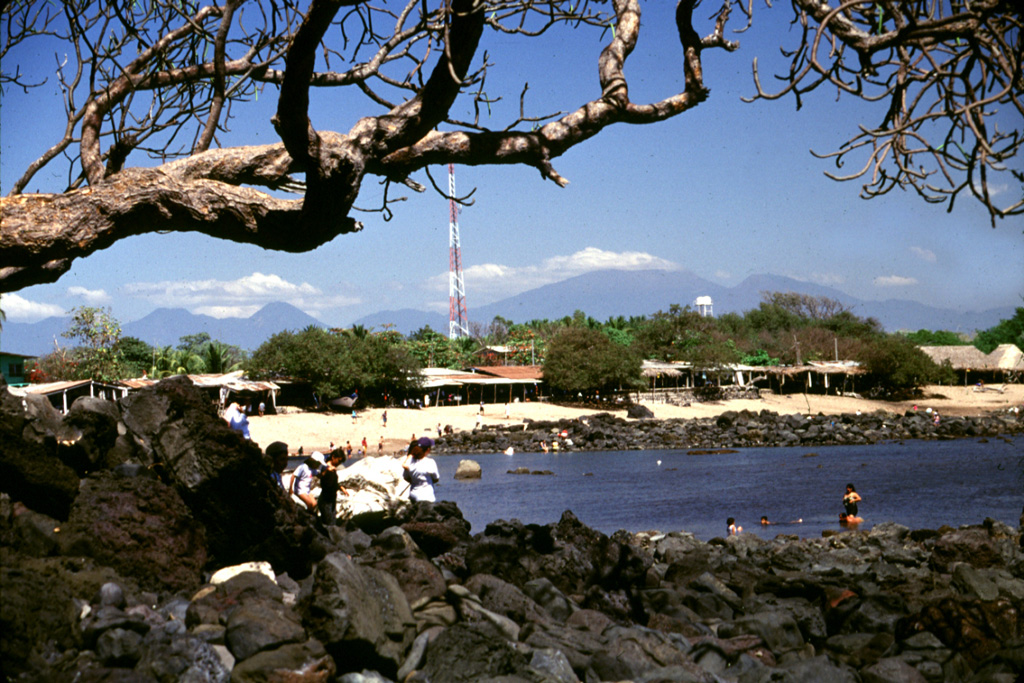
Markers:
458,320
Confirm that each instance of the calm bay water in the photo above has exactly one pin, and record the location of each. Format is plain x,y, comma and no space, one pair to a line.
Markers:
920,484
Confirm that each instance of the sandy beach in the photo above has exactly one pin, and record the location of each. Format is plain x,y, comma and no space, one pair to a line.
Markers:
316,431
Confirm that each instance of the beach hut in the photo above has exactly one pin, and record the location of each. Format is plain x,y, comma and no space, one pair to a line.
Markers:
815,377
62,394
968,362
1008,361
224,389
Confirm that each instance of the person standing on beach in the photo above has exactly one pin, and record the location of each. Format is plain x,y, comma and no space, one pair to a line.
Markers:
420,470
237,419
384,419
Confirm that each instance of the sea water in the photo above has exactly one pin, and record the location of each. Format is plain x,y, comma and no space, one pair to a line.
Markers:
919,484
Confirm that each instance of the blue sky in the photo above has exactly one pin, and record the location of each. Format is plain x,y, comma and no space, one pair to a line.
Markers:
727,190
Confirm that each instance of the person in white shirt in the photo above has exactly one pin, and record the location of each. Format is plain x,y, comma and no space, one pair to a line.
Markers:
302,480
420,471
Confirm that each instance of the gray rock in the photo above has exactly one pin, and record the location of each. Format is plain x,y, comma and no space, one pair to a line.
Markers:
294,662
891,670
364,677
111,595
973,583
504,598
972,545
119,647
36,534
925,640
579,645
360,614
630,652
549,598
818,670
106,618
473,652
414,658
468,469
171,656
554,665
261,625
778,629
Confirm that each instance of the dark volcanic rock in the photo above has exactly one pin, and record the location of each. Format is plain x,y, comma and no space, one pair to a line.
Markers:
410,595
734,429
30,470
140,527
94,424
360,614
223,478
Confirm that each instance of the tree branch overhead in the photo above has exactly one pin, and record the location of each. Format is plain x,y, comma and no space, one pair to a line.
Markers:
157,83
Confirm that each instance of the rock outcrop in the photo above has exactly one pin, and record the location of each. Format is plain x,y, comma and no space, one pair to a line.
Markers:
113,578
731,429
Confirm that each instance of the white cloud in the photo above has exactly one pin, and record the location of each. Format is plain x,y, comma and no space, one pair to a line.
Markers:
238,298
894,281
226,311
593,258
19,308
923,254
827,279
489,282
91,296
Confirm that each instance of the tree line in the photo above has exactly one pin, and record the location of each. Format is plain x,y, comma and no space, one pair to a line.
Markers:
579,354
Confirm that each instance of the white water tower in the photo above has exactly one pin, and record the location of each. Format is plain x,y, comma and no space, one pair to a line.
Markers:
704,307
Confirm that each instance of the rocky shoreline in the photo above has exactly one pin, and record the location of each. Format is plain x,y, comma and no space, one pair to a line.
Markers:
115,519
731,429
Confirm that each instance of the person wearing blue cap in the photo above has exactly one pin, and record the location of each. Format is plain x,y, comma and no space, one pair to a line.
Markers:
420,471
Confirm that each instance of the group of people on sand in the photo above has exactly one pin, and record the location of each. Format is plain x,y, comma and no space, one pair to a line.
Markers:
848,517
417,469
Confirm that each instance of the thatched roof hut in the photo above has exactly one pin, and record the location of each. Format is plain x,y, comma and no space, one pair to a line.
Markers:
1007,357
960,357
1004,362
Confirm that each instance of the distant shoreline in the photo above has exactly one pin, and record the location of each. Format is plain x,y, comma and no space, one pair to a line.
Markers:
316,431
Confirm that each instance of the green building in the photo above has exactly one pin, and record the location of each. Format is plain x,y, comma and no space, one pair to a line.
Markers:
15,367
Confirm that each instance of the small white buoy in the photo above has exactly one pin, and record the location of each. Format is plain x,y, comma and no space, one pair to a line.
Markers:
509,451
659,463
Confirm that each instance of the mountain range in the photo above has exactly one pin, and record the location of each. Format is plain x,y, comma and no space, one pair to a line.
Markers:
610,293
601,295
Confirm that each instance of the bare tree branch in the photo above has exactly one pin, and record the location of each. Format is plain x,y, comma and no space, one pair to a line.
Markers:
161,79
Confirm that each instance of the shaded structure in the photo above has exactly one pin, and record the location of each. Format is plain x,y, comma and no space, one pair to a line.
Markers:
224,389
490,384
972,366
62,394
822,377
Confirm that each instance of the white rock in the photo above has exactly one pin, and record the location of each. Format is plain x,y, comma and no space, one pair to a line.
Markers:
227,573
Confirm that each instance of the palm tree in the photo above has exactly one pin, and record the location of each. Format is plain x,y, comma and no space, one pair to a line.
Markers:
219,358
170,361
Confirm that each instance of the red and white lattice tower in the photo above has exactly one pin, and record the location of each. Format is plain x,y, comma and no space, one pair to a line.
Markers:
458,320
